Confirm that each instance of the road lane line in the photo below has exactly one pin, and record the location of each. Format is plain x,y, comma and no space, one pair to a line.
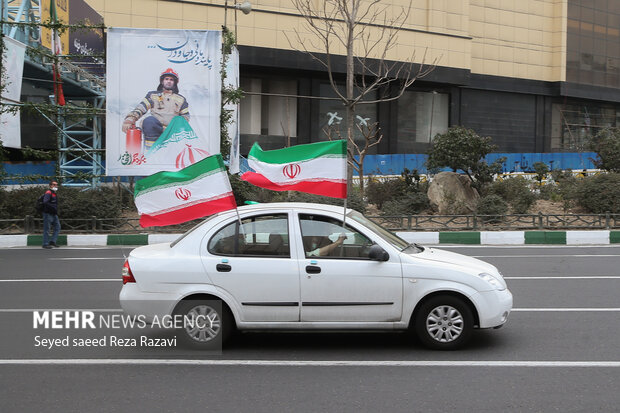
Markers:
314,363
568,310
119,310
548,256
85,258
62,280
32,310
578,277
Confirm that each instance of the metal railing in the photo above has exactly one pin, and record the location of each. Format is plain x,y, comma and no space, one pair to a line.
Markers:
95,225
498,222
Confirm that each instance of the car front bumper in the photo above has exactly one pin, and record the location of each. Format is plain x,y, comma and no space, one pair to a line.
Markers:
493,308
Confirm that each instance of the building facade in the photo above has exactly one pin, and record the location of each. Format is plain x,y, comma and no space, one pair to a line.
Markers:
535,75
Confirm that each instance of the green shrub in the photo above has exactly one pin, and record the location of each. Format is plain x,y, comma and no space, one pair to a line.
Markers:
102,202
378,192
606,144
18,203
516,192
492,208
75,203
567,187
599,194
541,170
463,149
550,192
411,203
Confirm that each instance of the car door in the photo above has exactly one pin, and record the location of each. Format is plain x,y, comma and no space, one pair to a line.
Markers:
345,285
251,261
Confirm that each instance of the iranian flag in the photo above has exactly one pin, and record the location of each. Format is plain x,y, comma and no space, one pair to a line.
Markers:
57,49
316,168
168,198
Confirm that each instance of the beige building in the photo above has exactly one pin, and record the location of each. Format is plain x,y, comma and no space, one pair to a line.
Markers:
535,75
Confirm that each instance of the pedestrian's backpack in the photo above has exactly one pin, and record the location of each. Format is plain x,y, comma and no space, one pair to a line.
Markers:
39,204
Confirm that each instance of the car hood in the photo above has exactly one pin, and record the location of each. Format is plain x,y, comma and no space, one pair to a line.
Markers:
433,254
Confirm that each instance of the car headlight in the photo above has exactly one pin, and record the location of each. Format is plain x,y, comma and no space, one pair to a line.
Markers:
494,281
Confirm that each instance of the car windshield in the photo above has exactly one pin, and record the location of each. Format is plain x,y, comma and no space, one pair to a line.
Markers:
393,239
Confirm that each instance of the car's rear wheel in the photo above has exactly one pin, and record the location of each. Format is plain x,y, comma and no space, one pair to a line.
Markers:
444,323
206,324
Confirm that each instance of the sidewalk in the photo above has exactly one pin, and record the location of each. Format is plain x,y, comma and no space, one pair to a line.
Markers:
425,238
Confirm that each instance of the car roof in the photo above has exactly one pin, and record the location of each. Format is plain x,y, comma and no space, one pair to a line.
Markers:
304,206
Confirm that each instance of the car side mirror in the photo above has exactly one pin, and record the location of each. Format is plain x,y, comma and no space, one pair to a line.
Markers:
377,253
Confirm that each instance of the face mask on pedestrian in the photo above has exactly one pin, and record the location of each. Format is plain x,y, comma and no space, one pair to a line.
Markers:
54,188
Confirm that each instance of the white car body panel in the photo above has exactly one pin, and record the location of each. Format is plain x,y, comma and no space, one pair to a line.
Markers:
278,293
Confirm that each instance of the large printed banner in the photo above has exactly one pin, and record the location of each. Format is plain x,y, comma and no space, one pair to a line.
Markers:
163,99
13,64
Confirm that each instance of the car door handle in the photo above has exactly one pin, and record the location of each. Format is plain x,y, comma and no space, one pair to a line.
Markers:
223,267
313,269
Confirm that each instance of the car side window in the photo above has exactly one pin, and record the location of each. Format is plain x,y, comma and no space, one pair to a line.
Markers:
325,237
257,236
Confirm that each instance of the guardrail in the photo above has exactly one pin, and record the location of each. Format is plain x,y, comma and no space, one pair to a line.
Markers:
94,225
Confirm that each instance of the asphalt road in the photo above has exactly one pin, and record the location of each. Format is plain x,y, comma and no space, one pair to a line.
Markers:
560,350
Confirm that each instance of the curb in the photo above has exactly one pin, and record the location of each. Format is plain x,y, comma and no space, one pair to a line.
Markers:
596,237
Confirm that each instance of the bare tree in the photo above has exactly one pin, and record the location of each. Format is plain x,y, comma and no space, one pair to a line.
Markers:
372,137
367,30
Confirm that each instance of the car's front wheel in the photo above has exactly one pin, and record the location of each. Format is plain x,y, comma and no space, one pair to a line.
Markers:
206,324
444,323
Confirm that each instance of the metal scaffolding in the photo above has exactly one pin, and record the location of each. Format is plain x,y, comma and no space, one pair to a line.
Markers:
79,137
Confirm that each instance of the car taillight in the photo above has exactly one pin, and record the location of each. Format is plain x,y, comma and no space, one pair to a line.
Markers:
127,275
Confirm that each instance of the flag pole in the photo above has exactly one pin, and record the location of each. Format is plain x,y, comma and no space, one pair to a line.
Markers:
238,216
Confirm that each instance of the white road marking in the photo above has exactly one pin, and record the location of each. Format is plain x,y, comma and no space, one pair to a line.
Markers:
567,310
44,280
85,258
119,310
578,277
548,256
314,363
526,246
32,310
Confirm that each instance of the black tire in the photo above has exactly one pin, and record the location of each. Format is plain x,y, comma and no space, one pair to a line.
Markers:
207,324
444,323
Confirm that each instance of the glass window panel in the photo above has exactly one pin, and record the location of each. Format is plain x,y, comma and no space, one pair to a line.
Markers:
257,236
268,115
332,117
421,116
320,236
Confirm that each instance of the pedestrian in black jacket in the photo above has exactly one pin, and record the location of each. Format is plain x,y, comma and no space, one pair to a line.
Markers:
50,216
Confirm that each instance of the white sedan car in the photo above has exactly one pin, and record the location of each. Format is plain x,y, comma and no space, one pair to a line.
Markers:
298,266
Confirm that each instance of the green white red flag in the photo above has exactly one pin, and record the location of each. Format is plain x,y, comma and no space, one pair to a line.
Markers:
168,198
317,168
57,50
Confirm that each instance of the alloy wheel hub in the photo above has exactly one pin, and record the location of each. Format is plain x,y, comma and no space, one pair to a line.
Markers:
444,324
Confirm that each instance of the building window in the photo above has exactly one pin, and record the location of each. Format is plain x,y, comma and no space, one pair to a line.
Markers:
593,43
572,124
421,116
268,115
332,117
